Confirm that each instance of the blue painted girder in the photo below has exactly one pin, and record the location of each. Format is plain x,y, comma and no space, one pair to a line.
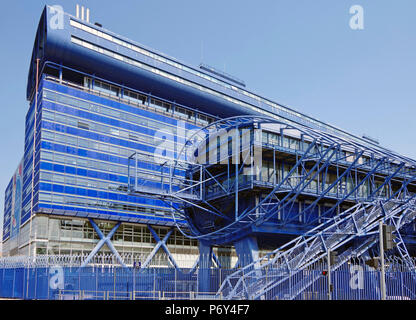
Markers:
104,240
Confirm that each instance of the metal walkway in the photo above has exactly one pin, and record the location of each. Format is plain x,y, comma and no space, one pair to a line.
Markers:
378,182
267,277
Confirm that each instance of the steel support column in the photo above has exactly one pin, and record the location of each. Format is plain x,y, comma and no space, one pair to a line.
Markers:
205,264
103,240
247,250
160,244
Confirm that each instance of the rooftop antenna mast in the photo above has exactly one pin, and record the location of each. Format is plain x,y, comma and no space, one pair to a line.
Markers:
85,13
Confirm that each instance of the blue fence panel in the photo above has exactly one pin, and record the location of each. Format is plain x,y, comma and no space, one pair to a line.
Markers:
352,283
18,288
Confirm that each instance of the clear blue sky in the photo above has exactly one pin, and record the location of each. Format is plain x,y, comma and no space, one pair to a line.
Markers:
300,53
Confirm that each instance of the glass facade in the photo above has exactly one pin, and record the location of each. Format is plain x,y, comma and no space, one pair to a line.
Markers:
85,133
85,143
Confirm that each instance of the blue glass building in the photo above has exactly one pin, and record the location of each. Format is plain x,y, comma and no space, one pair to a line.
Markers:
95,98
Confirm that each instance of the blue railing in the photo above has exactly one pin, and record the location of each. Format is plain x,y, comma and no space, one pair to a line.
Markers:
351,282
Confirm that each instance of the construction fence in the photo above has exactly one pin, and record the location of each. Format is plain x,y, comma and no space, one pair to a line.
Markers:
104,283
355,280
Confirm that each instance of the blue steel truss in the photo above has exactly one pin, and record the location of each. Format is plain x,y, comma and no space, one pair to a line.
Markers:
272,272
372,182
372,167
160,244
103,240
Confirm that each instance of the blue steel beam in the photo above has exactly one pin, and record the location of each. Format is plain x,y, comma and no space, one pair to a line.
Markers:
103,240
196,263
374,193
